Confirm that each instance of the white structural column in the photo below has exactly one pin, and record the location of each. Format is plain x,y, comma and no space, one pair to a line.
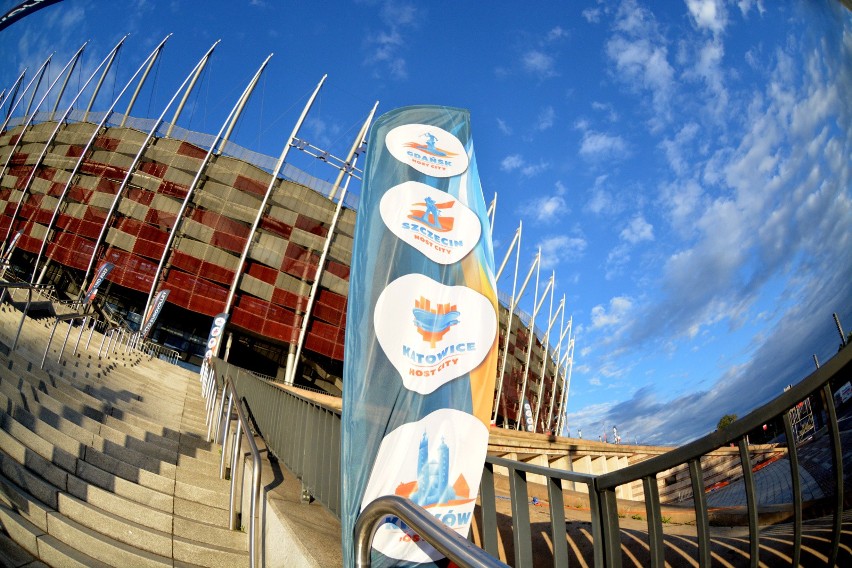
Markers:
512,305
232,117
531,342
546,357
263,204
14,103
351,158
11,93
132,167
95,133
492,213
556,366
516,241
69,67
569,367
105,64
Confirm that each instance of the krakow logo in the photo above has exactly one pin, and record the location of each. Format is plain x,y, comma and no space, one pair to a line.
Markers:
451,332
428,149
432,221
437,463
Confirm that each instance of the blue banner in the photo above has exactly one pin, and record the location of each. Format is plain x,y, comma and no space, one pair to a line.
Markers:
421,332
100,275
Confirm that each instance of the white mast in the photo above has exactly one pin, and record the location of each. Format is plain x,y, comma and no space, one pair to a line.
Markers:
556,365
25,190
30,120
150,59
278,166
232,117
132,168
546,356
292,365
531,341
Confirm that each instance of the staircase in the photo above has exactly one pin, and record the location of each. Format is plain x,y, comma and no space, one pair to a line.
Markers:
103,462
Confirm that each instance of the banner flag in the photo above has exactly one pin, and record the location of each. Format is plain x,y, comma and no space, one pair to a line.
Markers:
153,312
7,256
215,335
421,332
101,274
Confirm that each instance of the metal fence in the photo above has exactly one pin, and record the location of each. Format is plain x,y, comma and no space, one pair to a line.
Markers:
305,435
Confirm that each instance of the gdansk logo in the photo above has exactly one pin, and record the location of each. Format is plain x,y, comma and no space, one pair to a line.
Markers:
439,344
428,149
432,221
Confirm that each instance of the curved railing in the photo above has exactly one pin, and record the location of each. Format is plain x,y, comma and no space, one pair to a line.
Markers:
305,435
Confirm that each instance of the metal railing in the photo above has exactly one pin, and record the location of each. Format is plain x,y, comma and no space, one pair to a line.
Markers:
70,318
212,380
305,435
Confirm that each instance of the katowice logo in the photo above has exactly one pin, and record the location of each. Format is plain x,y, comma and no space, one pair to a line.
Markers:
430,220
433,333
437,463
428,149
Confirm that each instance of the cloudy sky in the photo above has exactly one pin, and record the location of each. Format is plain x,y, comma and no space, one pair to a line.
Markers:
684,168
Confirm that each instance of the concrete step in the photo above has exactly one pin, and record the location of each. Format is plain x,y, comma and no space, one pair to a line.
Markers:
14,556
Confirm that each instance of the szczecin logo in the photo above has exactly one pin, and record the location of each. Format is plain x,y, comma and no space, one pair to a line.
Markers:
437,463
432,221
449,332
428,149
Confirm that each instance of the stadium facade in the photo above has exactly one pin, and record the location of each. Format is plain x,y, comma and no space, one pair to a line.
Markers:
174,209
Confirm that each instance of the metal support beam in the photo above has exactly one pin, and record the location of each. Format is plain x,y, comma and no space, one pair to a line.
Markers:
232,117
60,202
29,121
263,204
132,168
49,142
351,158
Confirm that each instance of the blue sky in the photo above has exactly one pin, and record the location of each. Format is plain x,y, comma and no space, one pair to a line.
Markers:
684,166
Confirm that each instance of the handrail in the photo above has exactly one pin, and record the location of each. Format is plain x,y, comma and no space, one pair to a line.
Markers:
70,319
242,427
446,541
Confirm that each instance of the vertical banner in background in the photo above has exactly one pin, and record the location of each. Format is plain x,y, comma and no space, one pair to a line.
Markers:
153,312
100,275
7,256
421,332
215,335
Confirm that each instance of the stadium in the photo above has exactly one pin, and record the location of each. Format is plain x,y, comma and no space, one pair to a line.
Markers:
225,230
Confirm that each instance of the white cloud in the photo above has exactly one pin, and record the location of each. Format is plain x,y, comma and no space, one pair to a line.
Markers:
555,34
511,163
545,118
517,162
539,63
561,248
546,208
386,48
620,308
745,6
601,146
592,15
708,15
637,230
504,128
676,148
640,55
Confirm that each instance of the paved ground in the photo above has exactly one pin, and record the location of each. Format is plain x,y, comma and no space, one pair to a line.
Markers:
774,482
